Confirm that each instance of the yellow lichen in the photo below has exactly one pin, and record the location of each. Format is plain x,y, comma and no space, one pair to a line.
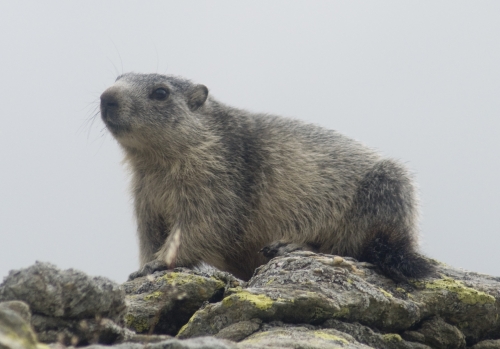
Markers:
329,336
218,283
465,294
392,337
183,328
342,313
181,278
387,294
139,325
260,301
153,296
228,301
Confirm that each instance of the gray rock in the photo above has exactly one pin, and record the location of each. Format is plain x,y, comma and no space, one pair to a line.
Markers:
88,331
366,335
306,289
63,293
195,343
15,331
240,330
19,307
300,337
437,334
300,300
487,344
164,302
311,288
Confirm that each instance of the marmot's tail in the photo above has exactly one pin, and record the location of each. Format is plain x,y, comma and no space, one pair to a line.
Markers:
394,254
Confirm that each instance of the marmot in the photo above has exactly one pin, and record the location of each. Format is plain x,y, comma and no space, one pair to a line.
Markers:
228,183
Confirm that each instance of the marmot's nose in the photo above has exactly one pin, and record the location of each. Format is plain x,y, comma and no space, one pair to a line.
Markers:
109,98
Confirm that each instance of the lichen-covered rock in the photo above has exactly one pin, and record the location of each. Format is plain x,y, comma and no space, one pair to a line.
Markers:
437,334
487,344
240,330
85,332
164,302
300,300
366,335
300,337
15,331
21,308
195,343
63,293
306,289
311,288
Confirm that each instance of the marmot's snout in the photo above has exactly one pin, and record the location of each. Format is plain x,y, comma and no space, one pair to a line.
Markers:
109,103
110,106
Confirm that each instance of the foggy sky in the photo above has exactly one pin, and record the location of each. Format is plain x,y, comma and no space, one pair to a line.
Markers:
419,81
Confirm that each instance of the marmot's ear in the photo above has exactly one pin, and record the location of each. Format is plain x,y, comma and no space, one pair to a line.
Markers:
197,96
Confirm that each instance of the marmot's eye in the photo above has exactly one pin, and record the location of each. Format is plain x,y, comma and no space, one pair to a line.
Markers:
160,94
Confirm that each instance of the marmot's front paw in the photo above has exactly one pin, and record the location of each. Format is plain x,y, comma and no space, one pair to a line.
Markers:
148,269
279,248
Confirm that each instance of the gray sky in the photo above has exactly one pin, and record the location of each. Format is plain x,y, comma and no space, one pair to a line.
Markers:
419,81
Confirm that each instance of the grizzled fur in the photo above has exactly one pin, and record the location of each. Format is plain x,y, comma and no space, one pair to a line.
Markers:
235,182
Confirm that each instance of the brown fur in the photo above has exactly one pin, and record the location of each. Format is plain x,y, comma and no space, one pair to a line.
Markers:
233,182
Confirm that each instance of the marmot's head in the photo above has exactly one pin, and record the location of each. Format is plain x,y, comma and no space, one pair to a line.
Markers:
144,110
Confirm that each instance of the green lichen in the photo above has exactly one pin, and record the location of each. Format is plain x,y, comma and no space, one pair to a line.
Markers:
218,283
182,279
392,337
387,294
342,313
259,301
139,325
465,294
329,336
153,296
183,328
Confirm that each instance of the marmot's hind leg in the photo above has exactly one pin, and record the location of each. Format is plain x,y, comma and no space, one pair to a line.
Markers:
385,209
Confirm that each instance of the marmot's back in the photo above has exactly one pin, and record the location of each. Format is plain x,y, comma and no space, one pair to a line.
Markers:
233,182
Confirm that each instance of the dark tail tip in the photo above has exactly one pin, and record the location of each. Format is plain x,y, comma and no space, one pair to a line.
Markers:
396,257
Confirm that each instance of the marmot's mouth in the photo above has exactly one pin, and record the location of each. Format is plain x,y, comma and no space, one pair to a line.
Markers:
112,122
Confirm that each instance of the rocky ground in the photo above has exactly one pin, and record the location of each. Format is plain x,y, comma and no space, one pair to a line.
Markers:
301,300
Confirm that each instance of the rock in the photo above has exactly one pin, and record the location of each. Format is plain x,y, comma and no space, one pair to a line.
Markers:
195,343
164,302
298,300
437,334
300,337
63,293
303,289
239,330
312,288
15,331
21,308
487,344
369,337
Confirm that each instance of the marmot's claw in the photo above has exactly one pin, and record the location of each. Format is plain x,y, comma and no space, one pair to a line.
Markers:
279,248
148,269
